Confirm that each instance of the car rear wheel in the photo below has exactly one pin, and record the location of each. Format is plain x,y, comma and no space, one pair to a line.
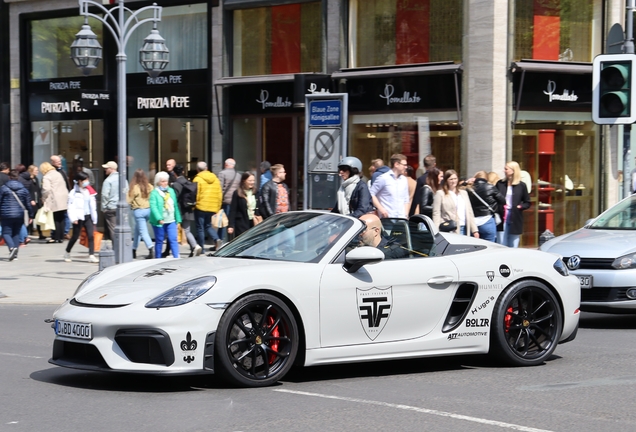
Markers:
257,341
526,324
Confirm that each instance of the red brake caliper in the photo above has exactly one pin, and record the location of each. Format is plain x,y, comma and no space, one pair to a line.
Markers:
274,342
508,319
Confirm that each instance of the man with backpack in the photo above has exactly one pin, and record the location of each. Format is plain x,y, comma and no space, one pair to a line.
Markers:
187,198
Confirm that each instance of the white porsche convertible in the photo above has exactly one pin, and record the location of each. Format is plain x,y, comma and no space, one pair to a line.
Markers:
299,289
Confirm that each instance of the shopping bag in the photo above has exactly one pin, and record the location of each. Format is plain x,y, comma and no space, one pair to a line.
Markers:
45,219
219,220
97,239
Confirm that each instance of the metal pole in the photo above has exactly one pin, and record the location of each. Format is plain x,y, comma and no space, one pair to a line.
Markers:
123,237
629,49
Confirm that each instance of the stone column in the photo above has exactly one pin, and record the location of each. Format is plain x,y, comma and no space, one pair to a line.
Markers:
485,83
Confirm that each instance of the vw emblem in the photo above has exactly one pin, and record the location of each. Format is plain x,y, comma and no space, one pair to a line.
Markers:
574,262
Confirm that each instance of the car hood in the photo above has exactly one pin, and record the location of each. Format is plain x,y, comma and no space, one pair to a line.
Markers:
129,283
593,243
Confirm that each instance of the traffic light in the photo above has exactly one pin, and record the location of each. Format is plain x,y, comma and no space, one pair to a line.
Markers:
613,81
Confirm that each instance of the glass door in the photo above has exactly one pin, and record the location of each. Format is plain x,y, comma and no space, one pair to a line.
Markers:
184,140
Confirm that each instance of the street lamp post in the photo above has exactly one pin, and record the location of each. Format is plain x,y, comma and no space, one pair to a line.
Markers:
86,52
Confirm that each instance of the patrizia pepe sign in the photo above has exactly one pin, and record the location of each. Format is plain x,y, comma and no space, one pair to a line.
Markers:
565,96
405,98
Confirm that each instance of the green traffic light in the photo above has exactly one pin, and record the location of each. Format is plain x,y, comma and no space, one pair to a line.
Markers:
615,92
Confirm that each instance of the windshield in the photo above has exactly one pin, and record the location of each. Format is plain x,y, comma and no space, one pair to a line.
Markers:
620,217
297,237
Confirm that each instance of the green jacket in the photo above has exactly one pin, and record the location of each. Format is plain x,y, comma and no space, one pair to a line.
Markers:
156,207
209,192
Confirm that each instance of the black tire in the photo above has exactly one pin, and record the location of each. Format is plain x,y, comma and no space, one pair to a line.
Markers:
257,341
526,324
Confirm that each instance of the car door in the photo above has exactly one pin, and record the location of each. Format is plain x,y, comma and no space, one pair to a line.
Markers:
389,301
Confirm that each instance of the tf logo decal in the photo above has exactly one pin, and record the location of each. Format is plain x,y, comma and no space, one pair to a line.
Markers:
491,275
188,346
374,308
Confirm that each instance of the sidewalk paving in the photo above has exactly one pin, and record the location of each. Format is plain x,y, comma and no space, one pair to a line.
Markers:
41,276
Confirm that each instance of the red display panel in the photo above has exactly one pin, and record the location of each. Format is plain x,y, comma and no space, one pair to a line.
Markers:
412,32
285,38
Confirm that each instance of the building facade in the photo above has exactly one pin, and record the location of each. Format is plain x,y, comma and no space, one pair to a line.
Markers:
474,82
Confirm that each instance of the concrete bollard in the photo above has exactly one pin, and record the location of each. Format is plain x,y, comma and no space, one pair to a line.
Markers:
106,255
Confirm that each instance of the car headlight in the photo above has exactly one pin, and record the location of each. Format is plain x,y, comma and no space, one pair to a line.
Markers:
183,293
625,262
86,281
560,267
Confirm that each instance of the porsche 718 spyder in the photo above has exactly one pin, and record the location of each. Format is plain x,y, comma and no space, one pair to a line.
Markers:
299,289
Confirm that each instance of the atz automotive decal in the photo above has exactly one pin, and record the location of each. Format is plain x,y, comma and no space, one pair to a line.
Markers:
454,336
374,309
188,346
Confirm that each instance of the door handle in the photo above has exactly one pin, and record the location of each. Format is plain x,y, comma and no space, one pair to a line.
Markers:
440,280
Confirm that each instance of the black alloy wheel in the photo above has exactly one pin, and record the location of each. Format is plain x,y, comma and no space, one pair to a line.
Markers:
257,341
527,324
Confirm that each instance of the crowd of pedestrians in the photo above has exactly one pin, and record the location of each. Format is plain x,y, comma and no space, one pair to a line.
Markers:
225,206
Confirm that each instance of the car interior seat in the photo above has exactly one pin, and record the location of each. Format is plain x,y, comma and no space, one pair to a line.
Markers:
397,229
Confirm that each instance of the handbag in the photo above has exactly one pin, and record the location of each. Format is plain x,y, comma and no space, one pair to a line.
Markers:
219,219
97,239
494,213
44,219
26,212
448,226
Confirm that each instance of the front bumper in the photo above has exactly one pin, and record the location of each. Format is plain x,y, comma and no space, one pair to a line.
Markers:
178,340
608,292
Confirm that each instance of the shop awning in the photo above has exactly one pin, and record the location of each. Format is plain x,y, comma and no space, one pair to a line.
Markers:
381,72
545,66
254,79
551,66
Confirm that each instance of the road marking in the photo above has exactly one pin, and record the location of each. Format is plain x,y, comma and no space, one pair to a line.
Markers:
416,409
19,355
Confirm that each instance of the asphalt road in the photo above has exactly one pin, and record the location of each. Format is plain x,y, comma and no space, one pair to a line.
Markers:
588,385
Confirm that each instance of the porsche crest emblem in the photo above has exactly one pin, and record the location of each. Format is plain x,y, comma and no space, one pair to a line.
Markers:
491,275
374,309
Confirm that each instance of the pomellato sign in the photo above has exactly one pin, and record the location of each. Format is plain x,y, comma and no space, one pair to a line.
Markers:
430,92
278,102
553,91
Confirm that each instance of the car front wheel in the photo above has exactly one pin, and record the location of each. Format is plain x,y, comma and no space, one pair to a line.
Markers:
526,324
257,341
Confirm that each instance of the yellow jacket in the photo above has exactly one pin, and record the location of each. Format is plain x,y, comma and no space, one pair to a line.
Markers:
209,192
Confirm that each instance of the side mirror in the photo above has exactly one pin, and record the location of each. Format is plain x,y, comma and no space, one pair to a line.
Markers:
589,222
362,256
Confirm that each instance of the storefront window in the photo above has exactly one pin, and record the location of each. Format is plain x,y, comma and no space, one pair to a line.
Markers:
185,29
71,139
561,30
51,41
393,32
152,141
278,39
561,160
413,135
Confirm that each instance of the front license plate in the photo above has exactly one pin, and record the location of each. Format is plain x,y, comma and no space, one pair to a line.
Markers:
586,281
73,330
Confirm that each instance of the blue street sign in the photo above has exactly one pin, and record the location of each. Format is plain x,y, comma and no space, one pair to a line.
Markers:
325,113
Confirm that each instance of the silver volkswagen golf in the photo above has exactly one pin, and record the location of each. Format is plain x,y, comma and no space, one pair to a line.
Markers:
603,256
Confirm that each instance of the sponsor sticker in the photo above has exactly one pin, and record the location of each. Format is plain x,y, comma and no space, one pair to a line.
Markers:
504,270
374,309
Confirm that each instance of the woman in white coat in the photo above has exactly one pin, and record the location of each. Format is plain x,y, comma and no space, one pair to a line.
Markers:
453,204
82,212
54,198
